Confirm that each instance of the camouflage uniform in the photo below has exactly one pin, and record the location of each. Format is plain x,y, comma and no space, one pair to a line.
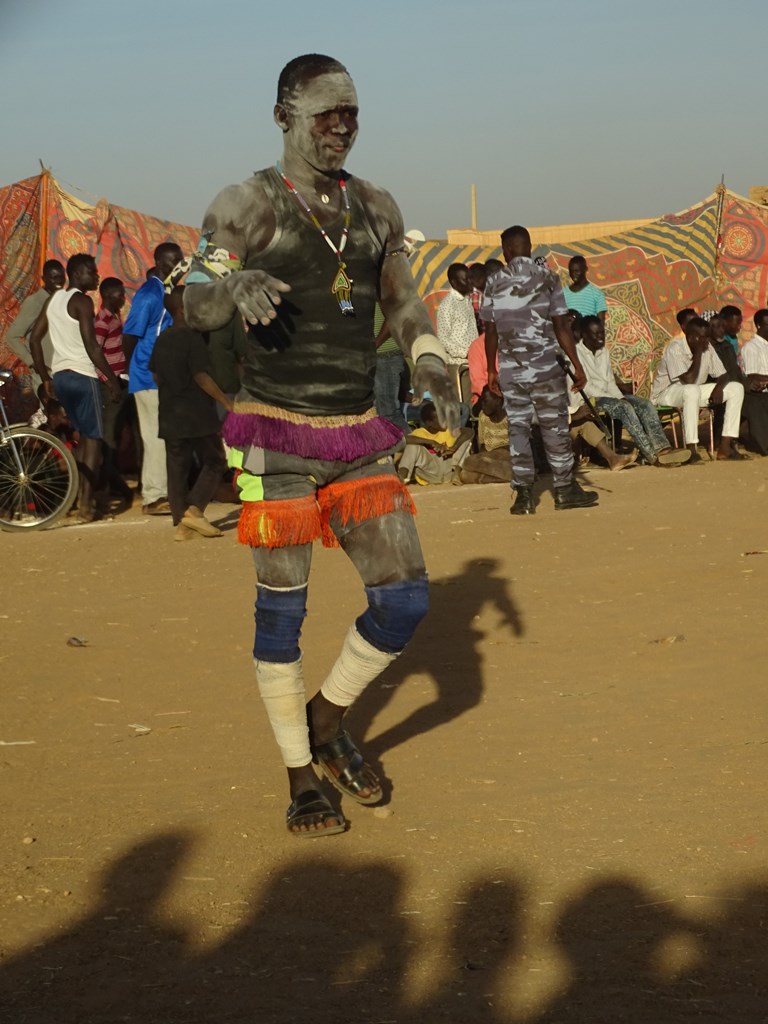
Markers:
521,301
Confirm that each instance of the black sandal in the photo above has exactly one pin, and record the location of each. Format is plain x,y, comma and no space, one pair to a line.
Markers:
350,780
311,804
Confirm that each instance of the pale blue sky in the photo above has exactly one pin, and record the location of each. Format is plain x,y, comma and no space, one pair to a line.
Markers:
559,111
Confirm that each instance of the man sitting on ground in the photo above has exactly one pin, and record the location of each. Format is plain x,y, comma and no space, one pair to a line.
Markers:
432,454
491,464
637,414
689,376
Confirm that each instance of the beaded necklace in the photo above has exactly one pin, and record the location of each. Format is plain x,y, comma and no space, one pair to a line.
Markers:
341,288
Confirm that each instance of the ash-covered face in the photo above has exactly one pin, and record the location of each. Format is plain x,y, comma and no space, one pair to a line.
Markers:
319,119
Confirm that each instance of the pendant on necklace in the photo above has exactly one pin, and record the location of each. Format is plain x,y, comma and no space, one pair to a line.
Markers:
342,290
325,199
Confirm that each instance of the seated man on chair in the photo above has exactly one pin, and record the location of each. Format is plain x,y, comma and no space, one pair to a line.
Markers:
755,407
691,375
637,414
585,432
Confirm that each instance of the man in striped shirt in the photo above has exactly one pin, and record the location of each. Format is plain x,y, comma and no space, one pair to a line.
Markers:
581,295
108,327
691,375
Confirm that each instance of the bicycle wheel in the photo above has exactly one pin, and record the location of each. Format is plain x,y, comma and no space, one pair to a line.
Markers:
38,479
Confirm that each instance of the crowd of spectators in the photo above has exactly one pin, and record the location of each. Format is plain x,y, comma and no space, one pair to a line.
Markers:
150,393
141,394
704,375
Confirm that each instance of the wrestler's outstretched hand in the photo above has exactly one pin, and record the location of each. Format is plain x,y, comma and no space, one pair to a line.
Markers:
430,375
256,294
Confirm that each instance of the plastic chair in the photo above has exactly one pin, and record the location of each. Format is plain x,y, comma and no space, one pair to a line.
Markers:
671,415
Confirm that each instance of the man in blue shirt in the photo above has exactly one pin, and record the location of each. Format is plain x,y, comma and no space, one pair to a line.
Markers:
581,295
731,317
147,318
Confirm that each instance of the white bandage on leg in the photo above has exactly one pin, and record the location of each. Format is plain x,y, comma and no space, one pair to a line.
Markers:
358,664
281,687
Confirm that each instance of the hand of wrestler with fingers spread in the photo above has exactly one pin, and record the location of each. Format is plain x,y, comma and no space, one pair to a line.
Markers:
256,293
431,375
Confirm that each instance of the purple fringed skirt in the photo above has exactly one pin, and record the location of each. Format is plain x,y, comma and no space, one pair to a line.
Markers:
331,438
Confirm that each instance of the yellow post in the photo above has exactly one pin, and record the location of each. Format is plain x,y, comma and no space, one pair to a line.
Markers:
474,207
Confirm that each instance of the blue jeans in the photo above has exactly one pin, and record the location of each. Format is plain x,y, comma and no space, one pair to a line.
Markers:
386,388
640,418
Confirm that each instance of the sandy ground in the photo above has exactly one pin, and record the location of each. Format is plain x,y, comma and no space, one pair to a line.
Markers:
575,744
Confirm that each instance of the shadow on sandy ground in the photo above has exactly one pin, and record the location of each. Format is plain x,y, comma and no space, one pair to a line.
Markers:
325,942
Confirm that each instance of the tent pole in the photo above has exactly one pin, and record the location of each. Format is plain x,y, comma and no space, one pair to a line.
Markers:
720,190
720,205
44,194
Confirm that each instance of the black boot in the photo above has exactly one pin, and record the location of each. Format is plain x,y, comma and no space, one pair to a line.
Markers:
523,505
573,495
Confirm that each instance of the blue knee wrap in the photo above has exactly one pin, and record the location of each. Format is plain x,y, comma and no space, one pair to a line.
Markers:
279,615
393,613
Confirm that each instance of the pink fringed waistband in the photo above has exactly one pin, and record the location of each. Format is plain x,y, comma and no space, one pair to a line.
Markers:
343,438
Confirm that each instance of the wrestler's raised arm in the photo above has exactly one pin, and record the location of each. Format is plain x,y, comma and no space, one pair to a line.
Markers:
406,314
239,223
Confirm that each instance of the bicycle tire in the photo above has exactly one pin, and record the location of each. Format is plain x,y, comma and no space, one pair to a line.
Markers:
47,488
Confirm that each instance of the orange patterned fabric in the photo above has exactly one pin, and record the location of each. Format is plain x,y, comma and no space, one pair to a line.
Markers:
32,231
19,251
743,267
121,240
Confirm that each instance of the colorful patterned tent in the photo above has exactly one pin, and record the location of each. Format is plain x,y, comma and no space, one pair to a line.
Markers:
40,221
713,253
743,264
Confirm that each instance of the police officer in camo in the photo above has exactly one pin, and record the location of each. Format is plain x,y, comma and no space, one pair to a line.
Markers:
526,317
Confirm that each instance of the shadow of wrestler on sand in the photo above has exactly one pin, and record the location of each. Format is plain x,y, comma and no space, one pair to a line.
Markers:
447,650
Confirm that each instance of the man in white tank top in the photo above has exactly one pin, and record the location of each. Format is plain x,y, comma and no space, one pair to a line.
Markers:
68,317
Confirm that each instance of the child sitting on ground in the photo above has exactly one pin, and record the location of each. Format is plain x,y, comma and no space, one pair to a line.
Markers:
432,454
56,422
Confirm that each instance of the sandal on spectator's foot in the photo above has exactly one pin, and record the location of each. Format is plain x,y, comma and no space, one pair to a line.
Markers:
355,775
673,456
312,809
